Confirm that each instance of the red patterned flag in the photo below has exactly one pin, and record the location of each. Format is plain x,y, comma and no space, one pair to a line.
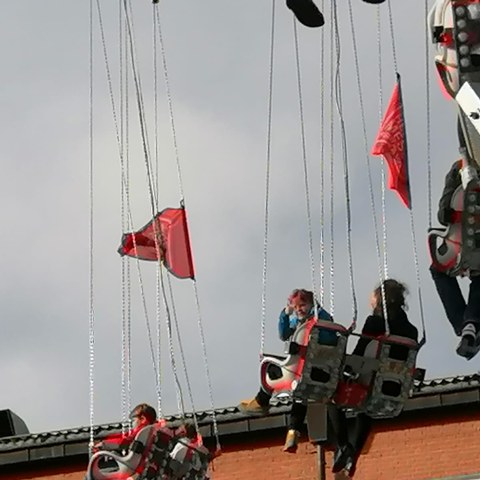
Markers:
391,143
172,245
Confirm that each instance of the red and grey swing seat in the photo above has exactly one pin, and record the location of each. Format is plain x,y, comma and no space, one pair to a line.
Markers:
148,458
310,367
379,382
456,249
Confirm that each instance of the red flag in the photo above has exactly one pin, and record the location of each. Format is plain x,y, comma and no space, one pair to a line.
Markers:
172,245
391,143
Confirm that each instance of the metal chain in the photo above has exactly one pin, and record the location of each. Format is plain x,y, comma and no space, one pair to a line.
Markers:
304,159
205,363
322,162
428,100
392,35
332,165
182,353
170,107
267,184
366,150
91,322
338,102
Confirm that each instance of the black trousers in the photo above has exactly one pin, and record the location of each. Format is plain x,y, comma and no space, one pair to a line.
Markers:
297,413
350,431
458,311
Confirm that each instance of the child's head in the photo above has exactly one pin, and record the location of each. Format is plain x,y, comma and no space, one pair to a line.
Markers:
143,414
395,293
301,301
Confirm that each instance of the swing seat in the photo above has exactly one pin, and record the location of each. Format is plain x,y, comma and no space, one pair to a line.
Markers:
145,457
379,382
279,375
323,362
456,249
445,244
187,462
394,377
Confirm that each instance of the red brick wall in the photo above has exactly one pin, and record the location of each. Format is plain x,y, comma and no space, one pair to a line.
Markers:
407,449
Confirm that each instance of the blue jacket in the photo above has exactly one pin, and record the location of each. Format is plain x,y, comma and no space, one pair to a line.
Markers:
287,324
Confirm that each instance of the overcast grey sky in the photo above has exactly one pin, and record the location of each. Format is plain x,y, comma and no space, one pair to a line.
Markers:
218,65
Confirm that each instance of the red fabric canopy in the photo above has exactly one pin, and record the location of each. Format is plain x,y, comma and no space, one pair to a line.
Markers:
391,143
172,245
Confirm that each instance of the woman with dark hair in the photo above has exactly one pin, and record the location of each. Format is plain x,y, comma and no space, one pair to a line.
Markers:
300,308
352,433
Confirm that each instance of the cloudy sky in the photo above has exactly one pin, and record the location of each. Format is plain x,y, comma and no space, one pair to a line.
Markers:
218,66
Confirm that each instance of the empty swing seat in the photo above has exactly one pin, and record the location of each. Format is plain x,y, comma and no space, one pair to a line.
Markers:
323,362
146,457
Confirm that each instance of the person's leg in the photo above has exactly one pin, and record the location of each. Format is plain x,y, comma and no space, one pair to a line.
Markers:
306,12
259,405
361,428
343,449
470,345
297,419
451,298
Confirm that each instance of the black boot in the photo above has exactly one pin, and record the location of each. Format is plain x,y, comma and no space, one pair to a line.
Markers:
306,12
344,457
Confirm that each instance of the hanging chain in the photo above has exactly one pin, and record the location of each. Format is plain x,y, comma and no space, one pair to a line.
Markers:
267,185
91,322
205,363
304,158
428,100
338,102
332,165
322,161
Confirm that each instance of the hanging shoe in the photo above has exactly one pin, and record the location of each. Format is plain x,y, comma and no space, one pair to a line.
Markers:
468,346
252,407
306,12
344,456
291,441
342,475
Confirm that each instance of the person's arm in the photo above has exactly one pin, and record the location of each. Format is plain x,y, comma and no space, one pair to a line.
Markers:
284,329
452,182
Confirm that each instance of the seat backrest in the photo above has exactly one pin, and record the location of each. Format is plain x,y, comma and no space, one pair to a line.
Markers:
394,377
323,362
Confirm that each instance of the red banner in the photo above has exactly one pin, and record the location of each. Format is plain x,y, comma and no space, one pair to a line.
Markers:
391,144
163,238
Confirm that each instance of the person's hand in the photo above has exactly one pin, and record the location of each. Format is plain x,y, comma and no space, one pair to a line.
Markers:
97,447
289,309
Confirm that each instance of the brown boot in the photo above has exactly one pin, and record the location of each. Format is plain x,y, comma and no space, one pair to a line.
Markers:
291,441
252,407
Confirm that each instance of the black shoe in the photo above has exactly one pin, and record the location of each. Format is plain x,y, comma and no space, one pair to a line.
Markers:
306,12
375,2
469,342
343,458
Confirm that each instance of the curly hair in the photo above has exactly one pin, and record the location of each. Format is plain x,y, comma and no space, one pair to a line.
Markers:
301,294
395,293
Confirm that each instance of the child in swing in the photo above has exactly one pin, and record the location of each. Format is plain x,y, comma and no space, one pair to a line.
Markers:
300,307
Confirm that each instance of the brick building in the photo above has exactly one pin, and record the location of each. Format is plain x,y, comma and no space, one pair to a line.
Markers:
436,437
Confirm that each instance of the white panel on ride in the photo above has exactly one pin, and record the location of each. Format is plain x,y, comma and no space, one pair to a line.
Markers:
323,362
471,227
279,375
468,98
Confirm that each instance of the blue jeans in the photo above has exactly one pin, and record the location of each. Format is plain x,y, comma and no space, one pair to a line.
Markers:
458,311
